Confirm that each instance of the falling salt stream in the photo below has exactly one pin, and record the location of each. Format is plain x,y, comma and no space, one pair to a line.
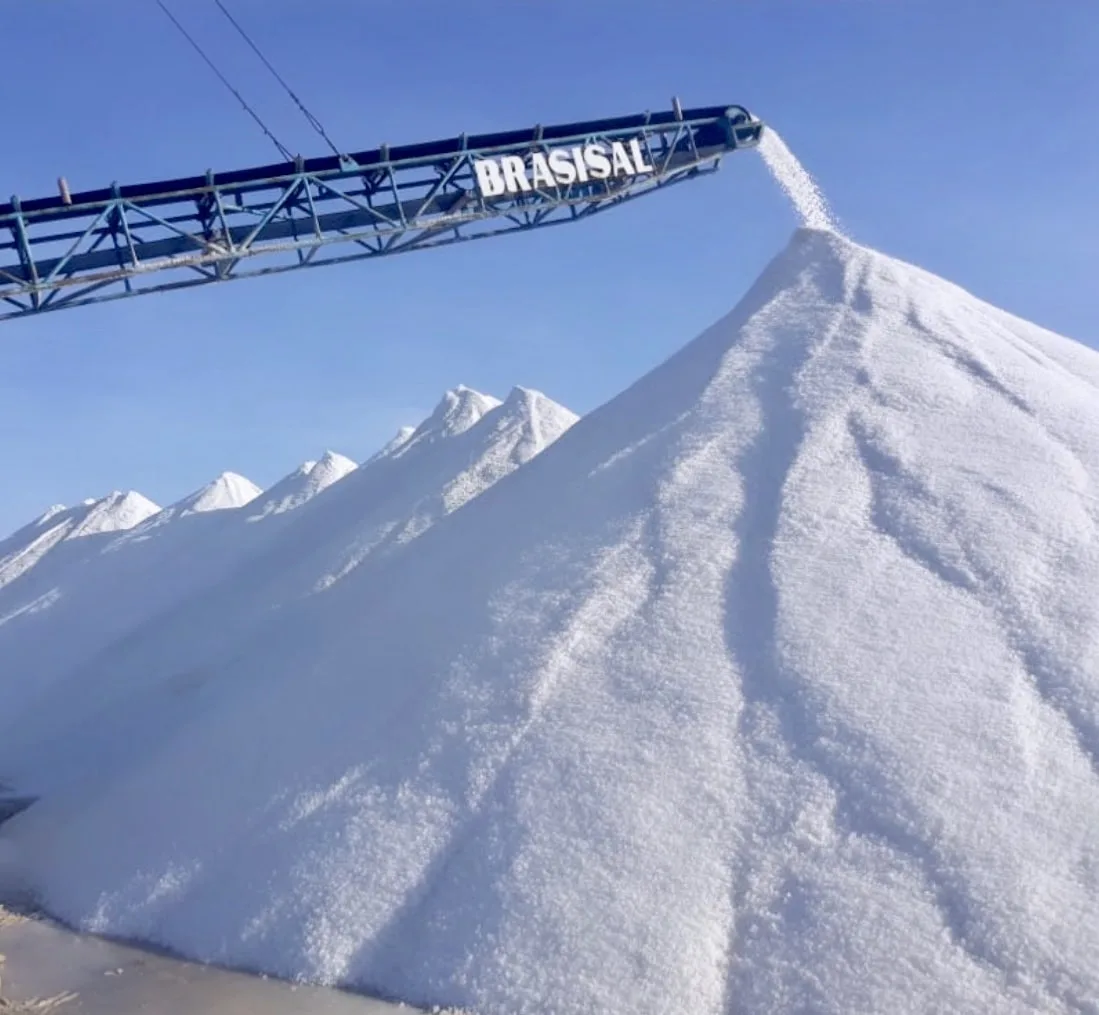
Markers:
795,180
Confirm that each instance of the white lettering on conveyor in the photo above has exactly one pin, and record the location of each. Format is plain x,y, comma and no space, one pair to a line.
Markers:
512,174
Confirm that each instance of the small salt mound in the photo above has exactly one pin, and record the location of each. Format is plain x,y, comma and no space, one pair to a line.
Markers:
229,490
116,512
301,486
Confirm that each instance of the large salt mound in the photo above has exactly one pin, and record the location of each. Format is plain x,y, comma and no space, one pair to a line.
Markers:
771,686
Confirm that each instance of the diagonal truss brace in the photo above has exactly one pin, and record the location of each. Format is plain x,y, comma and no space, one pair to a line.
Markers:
128,241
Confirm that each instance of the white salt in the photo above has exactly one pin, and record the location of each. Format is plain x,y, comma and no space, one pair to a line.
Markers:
795,180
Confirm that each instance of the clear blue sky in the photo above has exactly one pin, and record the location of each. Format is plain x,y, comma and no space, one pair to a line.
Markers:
960,136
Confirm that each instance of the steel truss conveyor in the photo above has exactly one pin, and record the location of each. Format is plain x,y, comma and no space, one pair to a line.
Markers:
78,248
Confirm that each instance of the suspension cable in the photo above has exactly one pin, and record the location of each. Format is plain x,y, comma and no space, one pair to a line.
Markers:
313,121
248,109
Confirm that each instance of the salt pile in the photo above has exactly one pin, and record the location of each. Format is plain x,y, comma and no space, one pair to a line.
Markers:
117,512
227,491
301,486
26,548
101,570
157,604
771,685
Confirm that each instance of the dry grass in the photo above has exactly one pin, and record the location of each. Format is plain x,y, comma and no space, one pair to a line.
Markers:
37,1005
9,919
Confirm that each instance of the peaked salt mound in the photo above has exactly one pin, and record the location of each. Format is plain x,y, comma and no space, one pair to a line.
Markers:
459,409
398,441
229,490
22,550
469,443
301,486
510,434
117,562
51,512
772,685
116,512
330,468
26,548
